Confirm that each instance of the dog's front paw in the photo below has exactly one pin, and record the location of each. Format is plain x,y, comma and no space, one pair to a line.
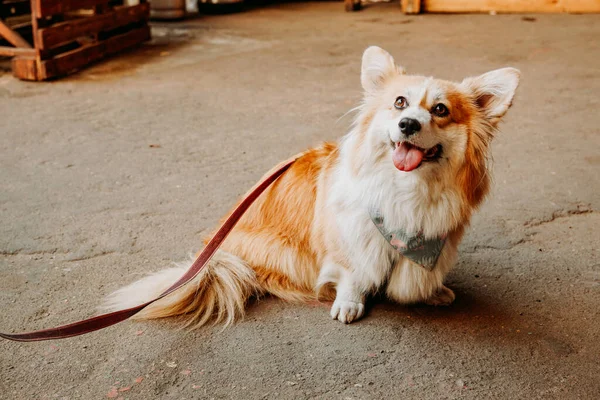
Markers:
443,297
347,311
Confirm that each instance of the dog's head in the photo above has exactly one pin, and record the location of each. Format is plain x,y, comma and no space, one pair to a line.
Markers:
433,128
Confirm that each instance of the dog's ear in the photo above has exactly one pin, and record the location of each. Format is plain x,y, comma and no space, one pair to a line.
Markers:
494,91
377,66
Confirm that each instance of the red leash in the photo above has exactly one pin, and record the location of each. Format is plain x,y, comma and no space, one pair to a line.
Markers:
106,320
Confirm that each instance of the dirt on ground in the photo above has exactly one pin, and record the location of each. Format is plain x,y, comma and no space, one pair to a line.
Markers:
121,169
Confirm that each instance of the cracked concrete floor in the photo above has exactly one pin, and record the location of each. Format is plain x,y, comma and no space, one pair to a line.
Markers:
120,169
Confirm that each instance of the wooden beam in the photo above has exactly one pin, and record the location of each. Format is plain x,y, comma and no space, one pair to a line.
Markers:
71,30
410,6
46,8
22,25
511,6
13,37
16,51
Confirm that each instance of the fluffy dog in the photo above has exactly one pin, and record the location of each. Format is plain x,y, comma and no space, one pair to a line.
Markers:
383,210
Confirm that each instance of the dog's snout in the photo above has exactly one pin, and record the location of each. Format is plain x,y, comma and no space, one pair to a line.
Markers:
409,126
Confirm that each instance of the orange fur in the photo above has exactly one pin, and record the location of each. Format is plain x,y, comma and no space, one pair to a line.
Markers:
473,176
274,236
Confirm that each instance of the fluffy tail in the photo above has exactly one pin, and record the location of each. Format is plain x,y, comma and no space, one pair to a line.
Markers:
219,292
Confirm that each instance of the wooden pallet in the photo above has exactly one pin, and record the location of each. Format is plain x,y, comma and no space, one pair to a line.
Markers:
67,35
486,6
509,6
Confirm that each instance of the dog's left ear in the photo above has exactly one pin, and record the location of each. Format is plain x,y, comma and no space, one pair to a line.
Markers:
377,66
494,91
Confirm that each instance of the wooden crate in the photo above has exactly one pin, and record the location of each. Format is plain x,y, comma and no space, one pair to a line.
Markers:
67,35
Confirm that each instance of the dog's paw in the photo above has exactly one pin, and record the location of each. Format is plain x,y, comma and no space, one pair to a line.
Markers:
443,297
347,311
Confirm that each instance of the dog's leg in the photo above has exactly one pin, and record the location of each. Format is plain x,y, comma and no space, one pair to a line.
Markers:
349,304
442,297
411,283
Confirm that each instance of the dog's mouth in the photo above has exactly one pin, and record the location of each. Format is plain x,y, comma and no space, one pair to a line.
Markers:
407,156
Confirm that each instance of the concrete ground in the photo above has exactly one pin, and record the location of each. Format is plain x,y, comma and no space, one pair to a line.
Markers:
120,169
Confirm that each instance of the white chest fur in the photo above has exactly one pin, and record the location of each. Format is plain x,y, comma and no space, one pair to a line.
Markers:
404,201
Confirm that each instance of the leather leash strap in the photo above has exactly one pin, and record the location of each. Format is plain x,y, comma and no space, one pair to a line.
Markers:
106,320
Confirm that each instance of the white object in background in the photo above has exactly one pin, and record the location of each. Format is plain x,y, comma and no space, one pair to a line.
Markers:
191,6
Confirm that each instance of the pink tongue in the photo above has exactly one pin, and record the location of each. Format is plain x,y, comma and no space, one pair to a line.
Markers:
407,157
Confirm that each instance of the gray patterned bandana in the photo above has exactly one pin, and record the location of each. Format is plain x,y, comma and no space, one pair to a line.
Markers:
424,252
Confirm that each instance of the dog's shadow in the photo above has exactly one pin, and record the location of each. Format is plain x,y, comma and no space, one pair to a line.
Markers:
469,311
467,307
473,316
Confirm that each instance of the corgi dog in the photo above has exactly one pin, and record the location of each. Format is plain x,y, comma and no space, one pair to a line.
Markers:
381,211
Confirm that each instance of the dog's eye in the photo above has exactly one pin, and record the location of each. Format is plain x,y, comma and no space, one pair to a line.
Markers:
401,103
440,110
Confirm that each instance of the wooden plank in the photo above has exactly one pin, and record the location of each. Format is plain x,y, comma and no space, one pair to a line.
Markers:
511,6
74,60
13,37
46,8
25,68
16,51
410,6
22,25
71,30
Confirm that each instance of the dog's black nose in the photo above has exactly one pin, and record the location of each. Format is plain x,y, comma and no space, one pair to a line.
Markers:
409,126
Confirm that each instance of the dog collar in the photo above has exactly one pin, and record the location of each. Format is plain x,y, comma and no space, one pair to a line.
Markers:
424,252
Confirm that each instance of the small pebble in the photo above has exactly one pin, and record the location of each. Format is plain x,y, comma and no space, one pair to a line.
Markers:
112,393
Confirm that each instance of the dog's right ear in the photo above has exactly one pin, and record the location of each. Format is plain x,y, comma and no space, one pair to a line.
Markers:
377,66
